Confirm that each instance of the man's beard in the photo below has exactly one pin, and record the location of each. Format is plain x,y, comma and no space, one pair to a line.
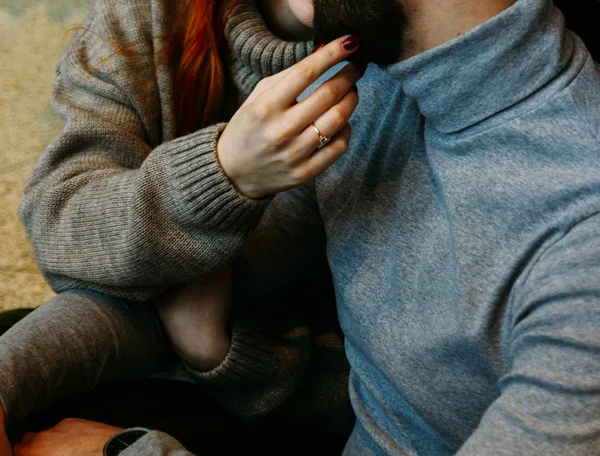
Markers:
378,22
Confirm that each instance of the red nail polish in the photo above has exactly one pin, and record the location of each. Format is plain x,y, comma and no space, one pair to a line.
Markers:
318,47
351,43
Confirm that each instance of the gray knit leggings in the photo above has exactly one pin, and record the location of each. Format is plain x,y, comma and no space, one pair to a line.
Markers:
72,343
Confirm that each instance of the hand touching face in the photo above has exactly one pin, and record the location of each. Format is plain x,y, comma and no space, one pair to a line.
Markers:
380,23
273,142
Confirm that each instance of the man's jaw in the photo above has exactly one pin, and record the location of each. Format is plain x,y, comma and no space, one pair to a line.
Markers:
379,22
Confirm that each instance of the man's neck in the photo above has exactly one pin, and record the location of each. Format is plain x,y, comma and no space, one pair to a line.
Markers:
431,23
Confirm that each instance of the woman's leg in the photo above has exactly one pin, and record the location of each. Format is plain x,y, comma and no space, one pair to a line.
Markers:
72,343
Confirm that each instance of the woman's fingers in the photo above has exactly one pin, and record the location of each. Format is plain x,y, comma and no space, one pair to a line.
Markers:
325,97
267,84
329,124
260,149
325,157
304,73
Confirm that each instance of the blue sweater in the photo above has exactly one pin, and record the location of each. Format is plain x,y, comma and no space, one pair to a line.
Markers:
463,233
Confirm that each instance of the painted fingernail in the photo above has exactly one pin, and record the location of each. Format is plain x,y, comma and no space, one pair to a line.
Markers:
318,47
351,43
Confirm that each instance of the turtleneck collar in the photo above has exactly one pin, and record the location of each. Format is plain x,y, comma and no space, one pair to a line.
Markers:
488,69
254,46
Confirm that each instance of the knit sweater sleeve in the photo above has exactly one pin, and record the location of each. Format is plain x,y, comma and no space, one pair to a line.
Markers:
113,205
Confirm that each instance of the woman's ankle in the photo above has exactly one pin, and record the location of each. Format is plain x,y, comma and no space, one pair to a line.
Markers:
206,349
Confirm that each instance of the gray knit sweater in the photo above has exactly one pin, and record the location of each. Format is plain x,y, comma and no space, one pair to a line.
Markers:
117,203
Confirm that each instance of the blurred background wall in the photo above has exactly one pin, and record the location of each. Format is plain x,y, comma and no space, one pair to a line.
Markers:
33,35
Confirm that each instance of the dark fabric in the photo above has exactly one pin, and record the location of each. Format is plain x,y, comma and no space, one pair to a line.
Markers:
202,427
181,410
10,317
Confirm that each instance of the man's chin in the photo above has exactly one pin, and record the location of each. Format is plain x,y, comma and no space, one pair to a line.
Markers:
379,22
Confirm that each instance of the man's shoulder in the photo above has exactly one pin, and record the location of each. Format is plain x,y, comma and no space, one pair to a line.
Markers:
584,95
567,123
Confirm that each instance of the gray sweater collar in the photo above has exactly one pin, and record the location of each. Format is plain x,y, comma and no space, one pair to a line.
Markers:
488,69
254,46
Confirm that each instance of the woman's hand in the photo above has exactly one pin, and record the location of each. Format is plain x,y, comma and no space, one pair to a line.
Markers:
269,145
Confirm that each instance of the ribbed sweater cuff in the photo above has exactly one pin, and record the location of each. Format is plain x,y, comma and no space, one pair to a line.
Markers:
250,361
205,193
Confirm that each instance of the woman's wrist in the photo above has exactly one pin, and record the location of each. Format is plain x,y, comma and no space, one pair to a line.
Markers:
227,163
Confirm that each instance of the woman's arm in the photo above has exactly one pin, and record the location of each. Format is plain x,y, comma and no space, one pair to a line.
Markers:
115,204
286,357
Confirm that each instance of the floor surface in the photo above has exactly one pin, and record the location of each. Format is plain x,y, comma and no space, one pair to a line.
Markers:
33,35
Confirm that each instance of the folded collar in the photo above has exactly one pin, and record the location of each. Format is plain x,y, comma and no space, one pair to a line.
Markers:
256,47
489,68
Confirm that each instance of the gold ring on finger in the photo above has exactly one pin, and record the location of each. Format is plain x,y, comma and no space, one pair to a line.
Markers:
323,140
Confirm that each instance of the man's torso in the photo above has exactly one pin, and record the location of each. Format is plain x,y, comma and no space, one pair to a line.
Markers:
429,237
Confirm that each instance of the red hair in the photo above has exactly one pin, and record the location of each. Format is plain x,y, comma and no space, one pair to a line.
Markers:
200,77
199,50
